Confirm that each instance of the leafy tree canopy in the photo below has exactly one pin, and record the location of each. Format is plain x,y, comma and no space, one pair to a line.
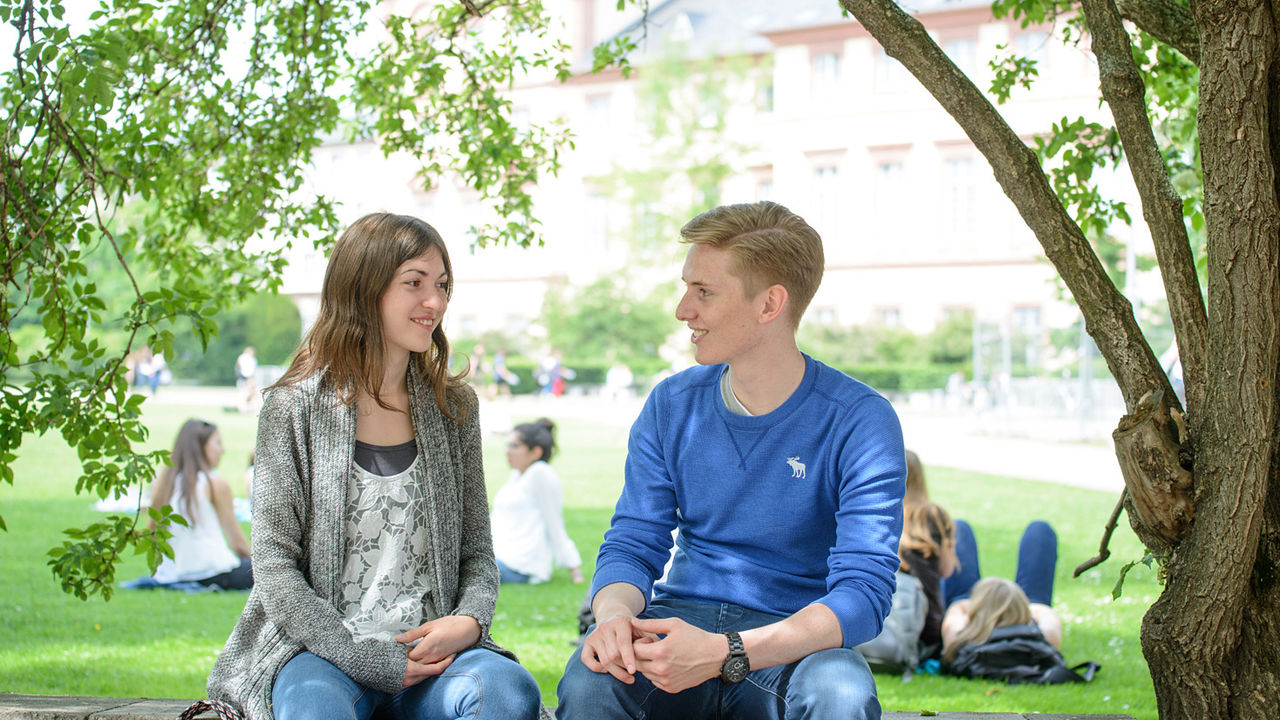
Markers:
169,141
610,321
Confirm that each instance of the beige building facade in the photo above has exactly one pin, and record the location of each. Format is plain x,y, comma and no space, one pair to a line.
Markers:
819,118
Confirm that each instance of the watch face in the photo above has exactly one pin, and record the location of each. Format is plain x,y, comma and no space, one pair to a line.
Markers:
735,669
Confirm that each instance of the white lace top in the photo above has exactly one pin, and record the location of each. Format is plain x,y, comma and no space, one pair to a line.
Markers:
386,575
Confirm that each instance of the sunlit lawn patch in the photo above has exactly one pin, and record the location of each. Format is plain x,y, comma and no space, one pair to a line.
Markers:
159,643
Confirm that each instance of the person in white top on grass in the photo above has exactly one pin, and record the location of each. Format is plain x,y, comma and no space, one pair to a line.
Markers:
529,538
212,549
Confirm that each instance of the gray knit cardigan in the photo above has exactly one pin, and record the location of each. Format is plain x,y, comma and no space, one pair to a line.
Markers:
306,439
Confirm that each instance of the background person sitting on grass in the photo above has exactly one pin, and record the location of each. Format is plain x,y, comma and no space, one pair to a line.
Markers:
529,538
928,553
1037,561
212,549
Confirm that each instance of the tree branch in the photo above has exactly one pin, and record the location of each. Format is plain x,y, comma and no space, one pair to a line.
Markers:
1104,547
1166,21
1124,92
1108,314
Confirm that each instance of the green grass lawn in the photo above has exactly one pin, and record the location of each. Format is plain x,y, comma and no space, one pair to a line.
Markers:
162,644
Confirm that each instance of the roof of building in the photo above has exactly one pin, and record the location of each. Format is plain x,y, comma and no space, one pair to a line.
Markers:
710,28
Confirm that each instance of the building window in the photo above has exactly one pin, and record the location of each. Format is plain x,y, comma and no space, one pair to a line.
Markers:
826,198
473,210
514,324
1033,46
465,325
964,53
647,225
887,317
762,177
826,71
891,76
1026,337
520,119
595,222
597,113
959,195
764,96
889,193
1026,319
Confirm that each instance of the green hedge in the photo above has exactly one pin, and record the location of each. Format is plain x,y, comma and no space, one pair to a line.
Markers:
885,377
901,378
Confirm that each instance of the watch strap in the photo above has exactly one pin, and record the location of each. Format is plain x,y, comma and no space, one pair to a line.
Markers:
735,644
736,664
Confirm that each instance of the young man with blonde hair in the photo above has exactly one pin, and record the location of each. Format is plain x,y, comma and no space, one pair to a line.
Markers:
784,478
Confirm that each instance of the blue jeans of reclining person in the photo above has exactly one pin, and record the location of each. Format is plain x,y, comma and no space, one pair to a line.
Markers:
831,684
511,576
1037,562
478,685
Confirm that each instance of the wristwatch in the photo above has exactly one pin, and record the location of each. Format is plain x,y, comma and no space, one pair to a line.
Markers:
736,665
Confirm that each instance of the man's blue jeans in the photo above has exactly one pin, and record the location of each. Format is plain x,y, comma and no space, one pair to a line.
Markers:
479,685
828,684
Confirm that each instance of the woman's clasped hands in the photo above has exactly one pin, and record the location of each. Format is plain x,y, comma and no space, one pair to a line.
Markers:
435,644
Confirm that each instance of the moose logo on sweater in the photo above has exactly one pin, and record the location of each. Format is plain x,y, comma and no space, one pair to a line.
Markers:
797,467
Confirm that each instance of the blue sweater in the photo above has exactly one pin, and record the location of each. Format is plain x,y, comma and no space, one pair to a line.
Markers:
775,512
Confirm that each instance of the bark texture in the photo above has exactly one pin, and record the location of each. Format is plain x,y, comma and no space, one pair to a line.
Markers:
1157,469
1211,639
1167,21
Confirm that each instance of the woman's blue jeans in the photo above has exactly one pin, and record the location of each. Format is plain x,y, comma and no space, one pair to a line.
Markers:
834,683
1037,562
479,685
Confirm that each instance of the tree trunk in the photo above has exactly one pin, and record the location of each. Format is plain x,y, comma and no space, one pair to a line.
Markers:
1212,639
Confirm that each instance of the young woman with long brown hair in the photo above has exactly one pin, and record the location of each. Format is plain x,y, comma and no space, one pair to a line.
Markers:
376,581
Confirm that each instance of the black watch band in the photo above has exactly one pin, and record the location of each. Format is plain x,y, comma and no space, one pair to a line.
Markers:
736,665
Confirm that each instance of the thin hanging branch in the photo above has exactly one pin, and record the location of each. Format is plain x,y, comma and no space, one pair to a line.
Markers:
1104,547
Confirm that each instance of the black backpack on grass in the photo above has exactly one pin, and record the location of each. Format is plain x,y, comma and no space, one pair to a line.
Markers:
1018,654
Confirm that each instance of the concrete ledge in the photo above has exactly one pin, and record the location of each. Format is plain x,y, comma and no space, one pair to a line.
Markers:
62,707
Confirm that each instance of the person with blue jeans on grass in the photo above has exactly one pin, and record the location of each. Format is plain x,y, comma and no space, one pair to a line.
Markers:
1037,563
784,479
